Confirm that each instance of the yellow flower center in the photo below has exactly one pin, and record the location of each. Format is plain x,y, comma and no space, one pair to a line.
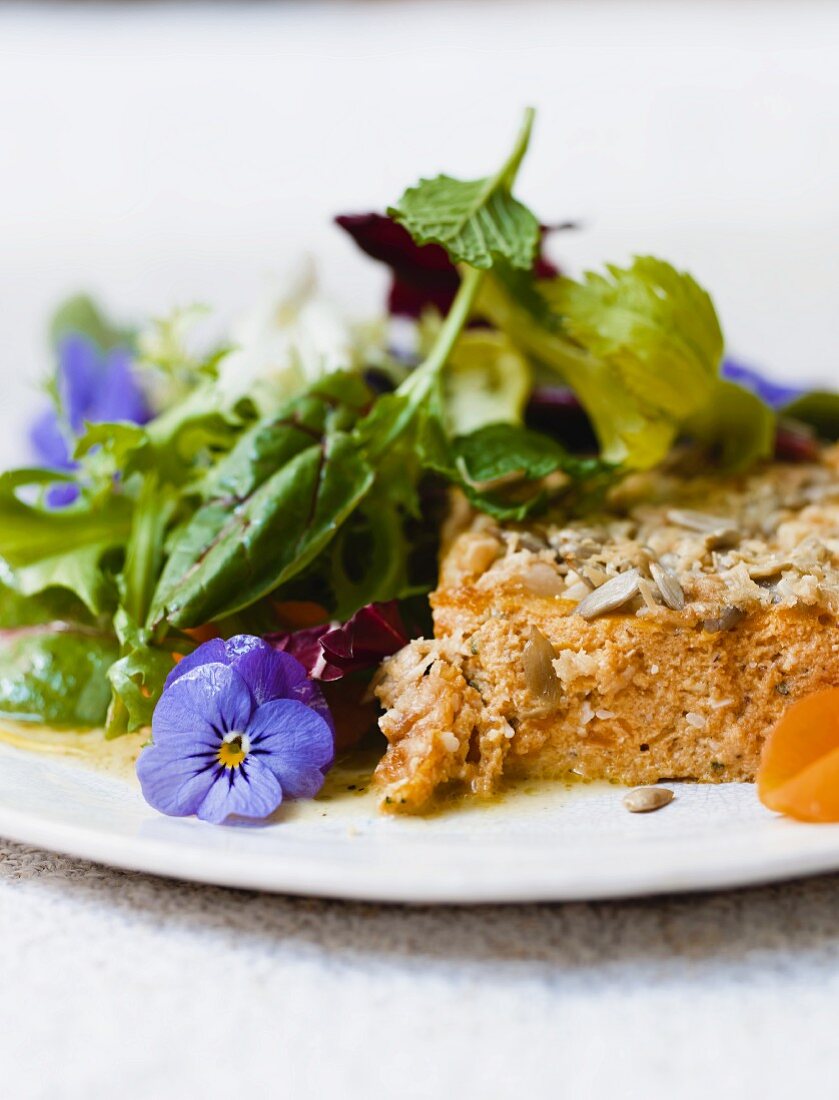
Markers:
233,749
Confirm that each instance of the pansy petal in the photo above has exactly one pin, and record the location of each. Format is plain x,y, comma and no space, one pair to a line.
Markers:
310,694
49,442
268,673
213,650
118,395
174,783
211,699
294,742
78,378
249,790
61,494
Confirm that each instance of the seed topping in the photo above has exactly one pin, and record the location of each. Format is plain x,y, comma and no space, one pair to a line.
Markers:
644,800
668,585
610,596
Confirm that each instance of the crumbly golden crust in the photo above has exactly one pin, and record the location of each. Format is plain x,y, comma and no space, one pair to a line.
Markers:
660,639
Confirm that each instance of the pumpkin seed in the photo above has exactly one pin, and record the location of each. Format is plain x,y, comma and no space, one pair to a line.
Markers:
539,674
728,618
610,596
643,800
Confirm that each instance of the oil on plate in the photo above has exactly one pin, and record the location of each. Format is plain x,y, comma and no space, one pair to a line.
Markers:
549,842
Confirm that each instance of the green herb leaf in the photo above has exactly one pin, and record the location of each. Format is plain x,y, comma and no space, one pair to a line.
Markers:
500,467
478,222
654,325
50,606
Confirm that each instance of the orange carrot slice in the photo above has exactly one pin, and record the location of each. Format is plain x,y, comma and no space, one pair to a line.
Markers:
799,768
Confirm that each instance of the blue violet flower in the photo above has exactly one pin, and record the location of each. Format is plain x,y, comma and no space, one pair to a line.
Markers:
91,386
238,728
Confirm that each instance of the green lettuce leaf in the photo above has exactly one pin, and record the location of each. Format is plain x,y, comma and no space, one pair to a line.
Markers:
60,548
487,381
80,315
819,409
640,347
271,505
56,677
735,425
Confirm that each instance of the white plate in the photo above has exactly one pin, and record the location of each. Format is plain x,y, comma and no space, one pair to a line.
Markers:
553,843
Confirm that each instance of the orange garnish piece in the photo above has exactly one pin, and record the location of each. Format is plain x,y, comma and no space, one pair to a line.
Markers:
202,633
799,768
298,614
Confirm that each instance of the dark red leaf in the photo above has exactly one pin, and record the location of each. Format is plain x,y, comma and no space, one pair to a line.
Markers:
329,652
555,411
304,645
794,444
423,275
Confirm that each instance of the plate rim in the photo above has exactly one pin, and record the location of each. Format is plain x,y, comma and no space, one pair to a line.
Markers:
376,881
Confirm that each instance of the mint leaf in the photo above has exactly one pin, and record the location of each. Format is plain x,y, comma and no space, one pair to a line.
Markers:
478,222
501,467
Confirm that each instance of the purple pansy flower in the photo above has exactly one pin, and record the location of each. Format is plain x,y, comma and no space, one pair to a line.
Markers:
92,386
775,394
238,728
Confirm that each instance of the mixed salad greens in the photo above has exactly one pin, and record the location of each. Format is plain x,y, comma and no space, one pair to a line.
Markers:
289,485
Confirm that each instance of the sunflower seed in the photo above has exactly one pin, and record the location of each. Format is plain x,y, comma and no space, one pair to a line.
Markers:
594,574
648,594
610,596
668,586
542,579
644,799
718,530
577,591
771,567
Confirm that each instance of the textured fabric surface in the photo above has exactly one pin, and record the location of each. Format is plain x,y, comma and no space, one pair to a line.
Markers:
119,984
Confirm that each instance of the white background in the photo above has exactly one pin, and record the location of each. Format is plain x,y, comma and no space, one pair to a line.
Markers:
163,155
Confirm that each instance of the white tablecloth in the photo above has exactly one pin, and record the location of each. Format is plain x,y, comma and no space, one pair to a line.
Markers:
160,156
123,985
